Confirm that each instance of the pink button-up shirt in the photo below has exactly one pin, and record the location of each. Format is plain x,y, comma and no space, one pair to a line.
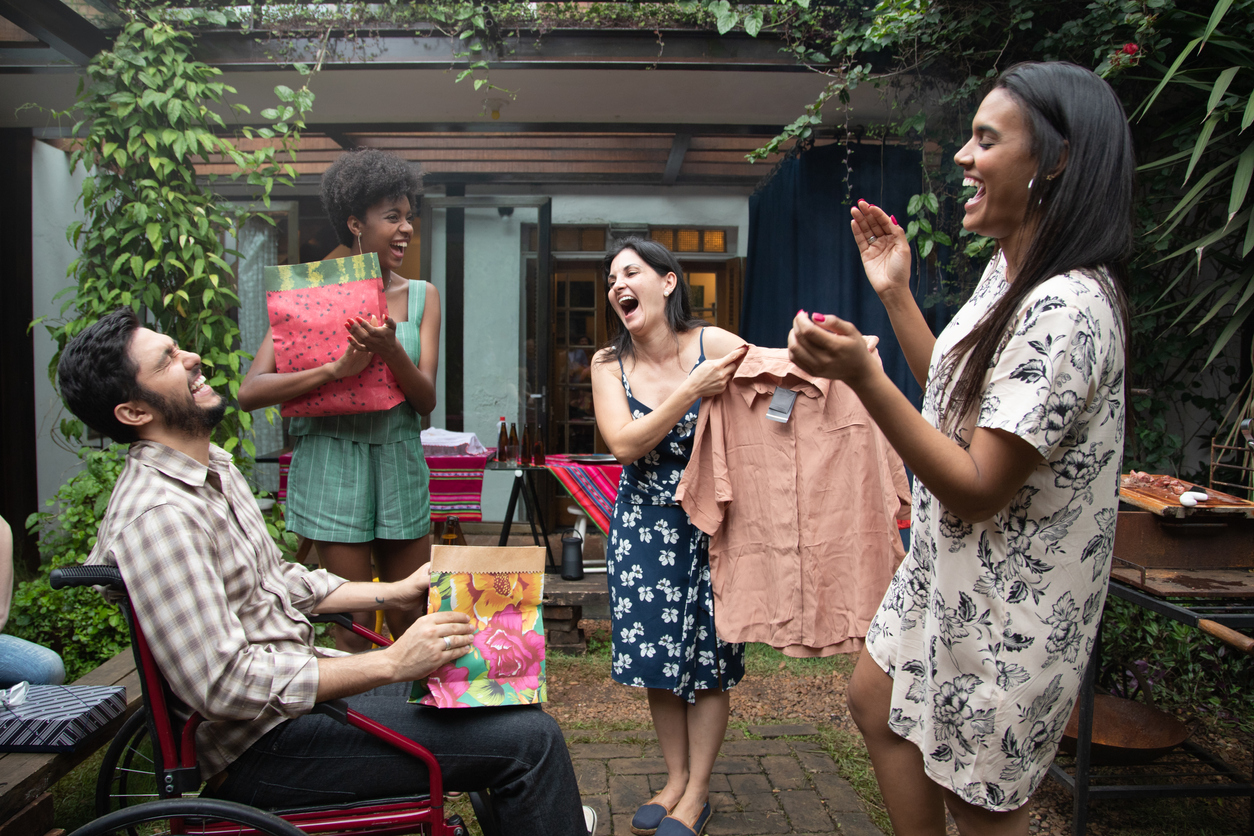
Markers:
802,516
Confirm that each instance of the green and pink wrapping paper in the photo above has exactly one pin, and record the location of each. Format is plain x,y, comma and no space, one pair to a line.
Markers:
500,588
308,304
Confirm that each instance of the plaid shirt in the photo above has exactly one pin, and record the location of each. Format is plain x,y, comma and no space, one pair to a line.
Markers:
221,609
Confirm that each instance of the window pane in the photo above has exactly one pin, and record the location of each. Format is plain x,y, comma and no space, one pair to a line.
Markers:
689,241
592,239
714,241
665,237
583,294
565,239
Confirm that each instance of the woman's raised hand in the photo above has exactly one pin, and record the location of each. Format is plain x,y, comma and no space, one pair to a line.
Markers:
830,347
372,335
711,377
884,248
353,361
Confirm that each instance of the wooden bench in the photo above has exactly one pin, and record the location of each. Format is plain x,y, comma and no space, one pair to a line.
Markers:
25,778
563,607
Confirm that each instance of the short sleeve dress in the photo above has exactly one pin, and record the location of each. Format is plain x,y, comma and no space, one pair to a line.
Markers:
986,628
662,603
357,478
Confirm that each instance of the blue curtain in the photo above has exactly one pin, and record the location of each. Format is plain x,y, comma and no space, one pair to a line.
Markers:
801,254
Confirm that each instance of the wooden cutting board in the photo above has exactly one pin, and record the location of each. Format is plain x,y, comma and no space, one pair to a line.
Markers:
1166,504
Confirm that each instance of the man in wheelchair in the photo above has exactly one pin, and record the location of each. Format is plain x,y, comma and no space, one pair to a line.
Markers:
225,617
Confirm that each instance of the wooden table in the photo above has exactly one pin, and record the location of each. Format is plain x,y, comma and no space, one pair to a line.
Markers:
25,778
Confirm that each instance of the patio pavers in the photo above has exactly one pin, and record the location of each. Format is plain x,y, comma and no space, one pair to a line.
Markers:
779,785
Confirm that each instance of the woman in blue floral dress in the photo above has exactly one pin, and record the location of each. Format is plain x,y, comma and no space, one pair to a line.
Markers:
647,385
974,660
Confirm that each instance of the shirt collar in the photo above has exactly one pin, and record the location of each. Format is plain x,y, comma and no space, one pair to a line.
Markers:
763,369
180,466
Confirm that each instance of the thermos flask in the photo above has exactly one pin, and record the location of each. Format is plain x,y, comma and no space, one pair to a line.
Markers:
572,556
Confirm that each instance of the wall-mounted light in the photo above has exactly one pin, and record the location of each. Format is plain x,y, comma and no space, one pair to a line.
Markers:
494,105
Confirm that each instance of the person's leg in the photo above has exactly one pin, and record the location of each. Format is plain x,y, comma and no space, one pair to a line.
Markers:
350,561
707,725
518,753
398,559
23,661
670,721
916,804
976,821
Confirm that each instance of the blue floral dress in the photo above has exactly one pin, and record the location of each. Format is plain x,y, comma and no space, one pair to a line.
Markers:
659,571
987,627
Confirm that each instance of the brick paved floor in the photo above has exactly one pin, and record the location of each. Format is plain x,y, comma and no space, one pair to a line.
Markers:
759,787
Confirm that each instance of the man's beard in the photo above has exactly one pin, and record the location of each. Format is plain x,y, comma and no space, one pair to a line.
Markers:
184,417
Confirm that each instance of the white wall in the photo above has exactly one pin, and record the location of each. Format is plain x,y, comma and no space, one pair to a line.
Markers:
54,190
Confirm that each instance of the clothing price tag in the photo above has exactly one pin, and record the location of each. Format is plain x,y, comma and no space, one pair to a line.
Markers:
781,405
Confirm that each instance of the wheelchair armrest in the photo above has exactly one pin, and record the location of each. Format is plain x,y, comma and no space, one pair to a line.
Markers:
341,618
71,576
337,710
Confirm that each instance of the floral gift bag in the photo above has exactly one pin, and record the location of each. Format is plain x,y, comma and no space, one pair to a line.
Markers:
308,304
500,589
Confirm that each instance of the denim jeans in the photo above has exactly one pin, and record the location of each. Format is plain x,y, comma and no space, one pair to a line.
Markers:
21,660
517,752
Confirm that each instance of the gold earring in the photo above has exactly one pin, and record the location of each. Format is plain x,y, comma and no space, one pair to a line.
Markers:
1050,176
359,249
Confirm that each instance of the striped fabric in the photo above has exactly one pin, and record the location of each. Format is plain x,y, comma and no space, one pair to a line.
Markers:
457,486
594,487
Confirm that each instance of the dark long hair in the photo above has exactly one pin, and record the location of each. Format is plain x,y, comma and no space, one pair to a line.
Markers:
678,305
1082,217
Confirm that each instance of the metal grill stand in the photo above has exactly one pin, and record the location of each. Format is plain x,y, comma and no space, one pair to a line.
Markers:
1191,762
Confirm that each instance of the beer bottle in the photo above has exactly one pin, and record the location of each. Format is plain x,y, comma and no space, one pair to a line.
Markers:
513,443
537,452
502,442
452,535
524,452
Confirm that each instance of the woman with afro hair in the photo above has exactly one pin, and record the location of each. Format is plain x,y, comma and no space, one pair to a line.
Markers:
359,483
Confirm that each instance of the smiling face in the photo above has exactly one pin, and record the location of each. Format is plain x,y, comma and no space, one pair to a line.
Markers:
637,292
998,162
386,230
173,386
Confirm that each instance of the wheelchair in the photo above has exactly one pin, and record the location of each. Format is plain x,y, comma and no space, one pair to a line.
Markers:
149,780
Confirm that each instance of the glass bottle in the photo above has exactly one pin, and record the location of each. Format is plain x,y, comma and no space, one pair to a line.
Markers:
513,443
452,534
524,451
502,442
537,448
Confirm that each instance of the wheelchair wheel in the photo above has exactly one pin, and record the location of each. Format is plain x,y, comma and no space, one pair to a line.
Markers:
192,816
128,773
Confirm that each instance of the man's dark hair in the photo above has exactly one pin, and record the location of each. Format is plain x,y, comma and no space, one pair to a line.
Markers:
96,373
361,178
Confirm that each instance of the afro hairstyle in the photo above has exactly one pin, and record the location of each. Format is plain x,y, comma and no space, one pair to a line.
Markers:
359,179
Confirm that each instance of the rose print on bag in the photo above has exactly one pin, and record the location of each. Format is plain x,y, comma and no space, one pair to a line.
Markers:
510,652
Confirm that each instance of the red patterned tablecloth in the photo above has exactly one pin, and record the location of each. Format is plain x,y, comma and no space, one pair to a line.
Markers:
457,486
594,487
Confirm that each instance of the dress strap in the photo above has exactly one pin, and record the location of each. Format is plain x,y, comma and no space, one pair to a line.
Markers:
417,300
622,373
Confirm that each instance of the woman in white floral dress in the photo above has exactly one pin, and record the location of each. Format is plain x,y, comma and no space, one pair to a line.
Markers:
645,389
974,659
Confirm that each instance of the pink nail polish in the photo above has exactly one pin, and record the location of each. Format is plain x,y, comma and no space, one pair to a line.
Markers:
894,220
800,312
818,317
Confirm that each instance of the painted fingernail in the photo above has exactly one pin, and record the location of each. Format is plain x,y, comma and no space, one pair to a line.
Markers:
894,220
800,312
818,317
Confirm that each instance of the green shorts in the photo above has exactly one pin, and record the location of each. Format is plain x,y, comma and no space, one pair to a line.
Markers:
342,491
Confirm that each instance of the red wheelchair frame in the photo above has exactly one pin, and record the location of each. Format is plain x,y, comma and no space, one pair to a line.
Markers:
389,817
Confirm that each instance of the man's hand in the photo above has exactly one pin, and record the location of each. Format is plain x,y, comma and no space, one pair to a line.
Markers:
431,641
413,590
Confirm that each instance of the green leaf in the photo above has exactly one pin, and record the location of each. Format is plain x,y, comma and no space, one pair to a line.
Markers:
1221,8
1241,181
154,235
753,22
1203,139
1221,87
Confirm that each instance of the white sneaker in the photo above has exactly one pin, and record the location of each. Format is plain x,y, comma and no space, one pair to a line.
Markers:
590,819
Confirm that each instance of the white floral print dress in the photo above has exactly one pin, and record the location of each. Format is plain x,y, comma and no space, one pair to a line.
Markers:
987,627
